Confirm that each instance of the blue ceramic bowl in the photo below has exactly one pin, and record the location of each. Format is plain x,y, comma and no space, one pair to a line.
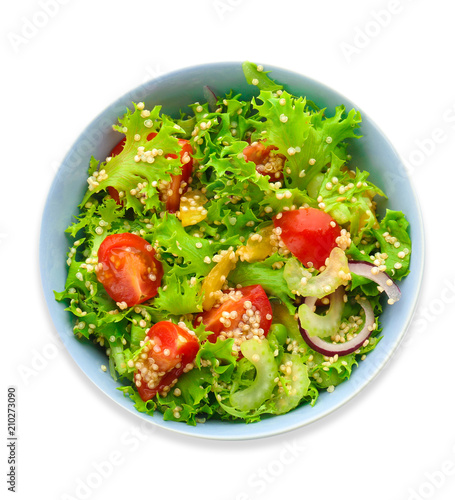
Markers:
174,92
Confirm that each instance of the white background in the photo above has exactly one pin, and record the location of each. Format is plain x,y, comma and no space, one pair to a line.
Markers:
394,441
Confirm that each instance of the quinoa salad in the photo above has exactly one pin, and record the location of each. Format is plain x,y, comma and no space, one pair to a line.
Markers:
230,261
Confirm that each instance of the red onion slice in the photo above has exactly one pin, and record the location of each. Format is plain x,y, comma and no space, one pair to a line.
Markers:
310,302
365,269
329,348
210,97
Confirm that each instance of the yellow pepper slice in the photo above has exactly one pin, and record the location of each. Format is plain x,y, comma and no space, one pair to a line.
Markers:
216,278
258,247
192,208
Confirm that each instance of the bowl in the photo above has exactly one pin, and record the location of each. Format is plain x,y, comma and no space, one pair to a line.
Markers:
174,91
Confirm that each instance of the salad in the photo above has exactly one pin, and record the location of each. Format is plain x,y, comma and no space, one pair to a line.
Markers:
230,261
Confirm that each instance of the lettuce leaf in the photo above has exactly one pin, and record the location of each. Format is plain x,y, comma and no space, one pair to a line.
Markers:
306,139
394,240
178,295
179,247
136,179
261,80
269,277
348,197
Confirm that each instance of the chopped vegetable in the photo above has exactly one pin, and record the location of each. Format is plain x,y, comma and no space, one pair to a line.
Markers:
239,314
322,325
361,340
167,352
294,383
260,354
310,234
334,275
128,269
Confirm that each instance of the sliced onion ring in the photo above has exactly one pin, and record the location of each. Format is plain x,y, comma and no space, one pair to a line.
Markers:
311,302
329,348
362,268
210,97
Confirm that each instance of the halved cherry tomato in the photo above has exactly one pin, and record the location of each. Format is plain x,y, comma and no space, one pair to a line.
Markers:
233,314
171,351
173,200
129,271
186,151
310,234
114,195
267,163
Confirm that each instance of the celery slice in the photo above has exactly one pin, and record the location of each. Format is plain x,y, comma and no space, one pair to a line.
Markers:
295,386
323,326
334,275
260,354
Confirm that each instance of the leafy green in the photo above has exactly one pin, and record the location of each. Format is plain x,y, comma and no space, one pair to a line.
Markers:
256,72
220,357
179,295
179,247
394,240
306,139
130,172
264,274
348,198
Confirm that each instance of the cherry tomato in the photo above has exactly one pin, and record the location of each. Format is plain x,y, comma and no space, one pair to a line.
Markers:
171,351
228,316
267,163
129,271
310,234
173,201
114,195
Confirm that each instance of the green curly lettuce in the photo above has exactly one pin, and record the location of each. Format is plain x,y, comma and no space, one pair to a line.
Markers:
307,139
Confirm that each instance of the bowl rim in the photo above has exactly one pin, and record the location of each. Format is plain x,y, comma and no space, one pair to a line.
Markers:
181,427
